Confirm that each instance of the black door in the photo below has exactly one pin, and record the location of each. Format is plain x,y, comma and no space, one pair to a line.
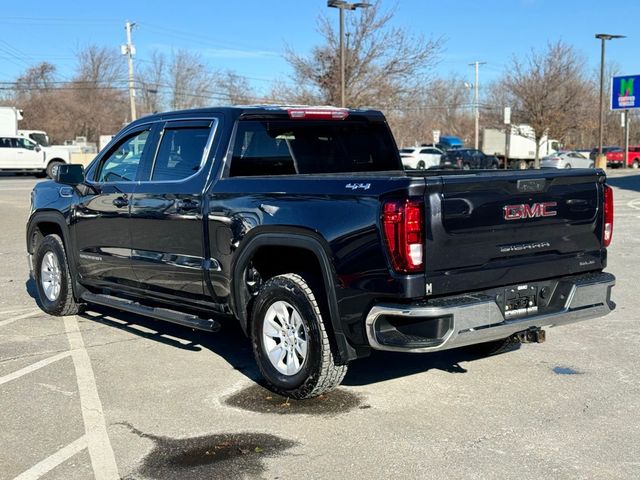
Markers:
167,228
101,218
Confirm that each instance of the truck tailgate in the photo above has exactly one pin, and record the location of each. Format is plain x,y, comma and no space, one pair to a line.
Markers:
486,230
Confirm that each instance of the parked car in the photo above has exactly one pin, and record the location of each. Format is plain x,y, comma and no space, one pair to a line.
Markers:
469,158
615,156
605,150
419,158
570,159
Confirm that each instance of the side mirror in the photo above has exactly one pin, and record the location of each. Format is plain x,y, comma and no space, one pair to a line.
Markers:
38,148
69,174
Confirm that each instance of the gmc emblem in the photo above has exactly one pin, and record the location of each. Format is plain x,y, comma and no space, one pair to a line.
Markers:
524,211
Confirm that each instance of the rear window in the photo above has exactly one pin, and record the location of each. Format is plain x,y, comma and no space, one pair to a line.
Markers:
268,147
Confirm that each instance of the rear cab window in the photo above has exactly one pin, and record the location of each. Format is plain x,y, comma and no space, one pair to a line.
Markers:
288,147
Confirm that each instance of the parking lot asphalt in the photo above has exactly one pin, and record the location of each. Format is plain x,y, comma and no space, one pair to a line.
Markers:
111,395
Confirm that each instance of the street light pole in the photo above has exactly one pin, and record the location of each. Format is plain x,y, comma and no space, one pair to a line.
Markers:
342,62
476,102
342,5
603,37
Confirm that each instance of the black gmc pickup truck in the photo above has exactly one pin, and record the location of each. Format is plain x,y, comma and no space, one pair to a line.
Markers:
300,223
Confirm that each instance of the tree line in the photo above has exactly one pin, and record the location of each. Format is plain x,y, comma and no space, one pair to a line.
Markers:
386,67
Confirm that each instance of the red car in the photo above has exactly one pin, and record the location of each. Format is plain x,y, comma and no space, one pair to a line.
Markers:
615,156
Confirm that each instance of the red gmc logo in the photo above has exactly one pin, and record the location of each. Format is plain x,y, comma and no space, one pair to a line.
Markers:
524,211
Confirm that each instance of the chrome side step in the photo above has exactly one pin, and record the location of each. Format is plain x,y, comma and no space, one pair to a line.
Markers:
172,316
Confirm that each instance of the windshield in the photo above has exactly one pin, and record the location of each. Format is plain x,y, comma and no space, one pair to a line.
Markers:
40,138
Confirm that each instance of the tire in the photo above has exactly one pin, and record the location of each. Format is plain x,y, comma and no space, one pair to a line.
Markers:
53,279
495,347
568,165
636,163
288,300
420,165
53,165
466,166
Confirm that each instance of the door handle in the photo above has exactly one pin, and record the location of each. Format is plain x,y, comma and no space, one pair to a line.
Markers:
120,202
187,205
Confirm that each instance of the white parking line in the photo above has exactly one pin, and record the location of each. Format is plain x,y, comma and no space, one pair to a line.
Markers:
32,313
102,458
33,367
51,462
15,310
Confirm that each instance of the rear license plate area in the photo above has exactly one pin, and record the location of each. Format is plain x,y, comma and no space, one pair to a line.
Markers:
520,301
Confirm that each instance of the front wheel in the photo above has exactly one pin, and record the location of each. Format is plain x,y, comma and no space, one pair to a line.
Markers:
635,163
290,341
52,168
568,165
53,278
421,165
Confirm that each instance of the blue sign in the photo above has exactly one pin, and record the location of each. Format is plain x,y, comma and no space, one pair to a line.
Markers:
623,92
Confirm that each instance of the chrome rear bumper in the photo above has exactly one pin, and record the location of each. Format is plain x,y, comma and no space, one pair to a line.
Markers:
477,318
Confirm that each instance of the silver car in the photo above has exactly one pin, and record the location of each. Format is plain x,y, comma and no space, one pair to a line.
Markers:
571,159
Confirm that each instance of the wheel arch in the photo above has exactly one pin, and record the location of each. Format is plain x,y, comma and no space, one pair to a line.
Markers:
289,239
49,222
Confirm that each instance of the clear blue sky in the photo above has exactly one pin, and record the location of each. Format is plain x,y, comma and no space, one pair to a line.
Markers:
249,36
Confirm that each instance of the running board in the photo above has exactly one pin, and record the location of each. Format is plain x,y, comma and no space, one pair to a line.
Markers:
186,320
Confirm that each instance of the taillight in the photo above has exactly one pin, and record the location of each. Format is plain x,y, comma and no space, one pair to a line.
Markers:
319,113
403,227
608,216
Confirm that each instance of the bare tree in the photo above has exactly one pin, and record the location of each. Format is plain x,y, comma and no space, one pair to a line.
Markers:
382,62
235,89
152,82
98,103
189,81
545,90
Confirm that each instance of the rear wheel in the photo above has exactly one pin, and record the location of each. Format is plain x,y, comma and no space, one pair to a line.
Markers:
290,341
466,166
635,164
420,165
53,279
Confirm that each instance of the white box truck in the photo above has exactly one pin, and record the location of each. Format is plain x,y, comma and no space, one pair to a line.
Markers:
522,145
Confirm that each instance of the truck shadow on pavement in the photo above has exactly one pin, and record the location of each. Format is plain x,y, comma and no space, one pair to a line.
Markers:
629,182
234,347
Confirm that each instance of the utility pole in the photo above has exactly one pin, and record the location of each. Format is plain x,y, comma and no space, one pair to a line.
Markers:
130,51
476,102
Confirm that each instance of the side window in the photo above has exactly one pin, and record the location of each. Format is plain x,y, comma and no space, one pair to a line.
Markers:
121,164
5,143
425,150
180,153
27,144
